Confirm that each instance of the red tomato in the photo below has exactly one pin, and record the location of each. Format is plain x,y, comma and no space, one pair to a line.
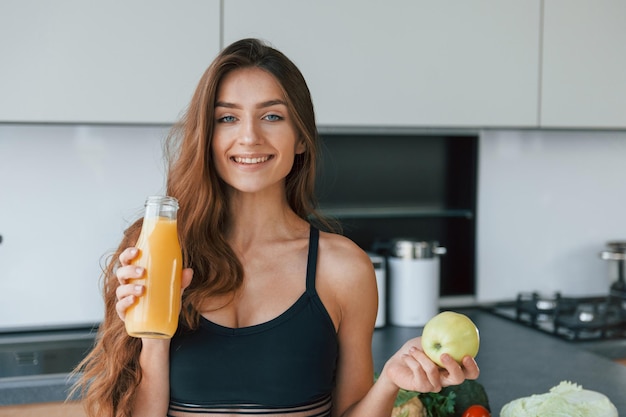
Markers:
476,411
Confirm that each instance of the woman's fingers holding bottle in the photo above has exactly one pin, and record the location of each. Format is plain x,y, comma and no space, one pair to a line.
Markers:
128,255
125,259
126,296
126,292
127,271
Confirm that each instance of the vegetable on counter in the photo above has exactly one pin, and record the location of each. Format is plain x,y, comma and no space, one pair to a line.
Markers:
431,404
411,408
565,399
476,411
467,394
452,401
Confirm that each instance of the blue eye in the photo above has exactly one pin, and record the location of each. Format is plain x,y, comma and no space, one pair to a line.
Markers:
273,117
226,119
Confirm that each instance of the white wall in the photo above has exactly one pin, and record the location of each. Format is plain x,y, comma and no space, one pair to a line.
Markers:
66,195
548,201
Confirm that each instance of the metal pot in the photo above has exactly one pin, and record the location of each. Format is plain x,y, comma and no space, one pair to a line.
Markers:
412,249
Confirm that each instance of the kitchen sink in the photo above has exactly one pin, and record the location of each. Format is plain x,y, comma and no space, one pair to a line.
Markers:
43,352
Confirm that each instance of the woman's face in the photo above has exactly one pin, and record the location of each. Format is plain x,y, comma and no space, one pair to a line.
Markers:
254,141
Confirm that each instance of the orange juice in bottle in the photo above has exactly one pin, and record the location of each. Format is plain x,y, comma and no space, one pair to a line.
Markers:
155,313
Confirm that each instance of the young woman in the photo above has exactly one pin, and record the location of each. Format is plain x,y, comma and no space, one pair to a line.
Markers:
277,316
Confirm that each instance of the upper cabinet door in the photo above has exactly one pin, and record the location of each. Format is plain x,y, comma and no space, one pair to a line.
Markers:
584,64
111,61
405,62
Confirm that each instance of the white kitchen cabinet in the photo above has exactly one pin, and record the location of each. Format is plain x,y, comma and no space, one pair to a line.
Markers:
584,64
405,62
103,61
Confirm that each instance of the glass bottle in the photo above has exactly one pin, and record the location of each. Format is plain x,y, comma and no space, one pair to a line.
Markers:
155,313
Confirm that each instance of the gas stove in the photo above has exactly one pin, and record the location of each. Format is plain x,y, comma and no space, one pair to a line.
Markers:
570,318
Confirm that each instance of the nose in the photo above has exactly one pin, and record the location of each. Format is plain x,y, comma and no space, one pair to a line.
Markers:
250,133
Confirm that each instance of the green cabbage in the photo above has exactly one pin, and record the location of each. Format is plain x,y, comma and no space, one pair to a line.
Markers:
564,400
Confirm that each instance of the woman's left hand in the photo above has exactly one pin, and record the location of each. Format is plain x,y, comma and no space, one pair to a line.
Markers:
412,370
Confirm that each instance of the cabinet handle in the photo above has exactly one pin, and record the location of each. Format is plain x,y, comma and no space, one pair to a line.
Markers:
27,358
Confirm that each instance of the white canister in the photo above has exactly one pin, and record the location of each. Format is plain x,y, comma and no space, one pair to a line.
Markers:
413,282
381,282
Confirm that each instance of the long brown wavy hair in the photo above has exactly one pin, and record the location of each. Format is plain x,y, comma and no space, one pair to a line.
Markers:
110,374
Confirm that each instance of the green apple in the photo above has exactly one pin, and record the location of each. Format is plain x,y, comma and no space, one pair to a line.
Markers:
451,333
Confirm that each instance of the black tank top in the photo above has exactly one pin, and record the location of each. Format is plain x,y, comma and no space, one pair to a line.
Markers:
285,366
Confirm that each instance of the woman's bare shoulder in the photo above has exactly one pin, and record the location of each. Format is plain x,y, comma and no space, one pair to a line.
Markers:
346,282
340,257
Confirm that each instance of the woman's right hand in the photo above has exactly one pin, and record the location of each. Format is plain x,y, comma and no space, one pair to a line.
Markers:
127,292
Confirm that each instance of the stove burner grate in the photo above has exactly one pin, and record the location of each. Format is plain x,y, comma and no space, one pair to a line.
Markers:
571,318
605,317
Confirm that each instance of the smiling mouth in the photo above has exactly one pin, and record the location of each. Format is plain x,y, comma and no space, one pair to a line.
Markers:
251,161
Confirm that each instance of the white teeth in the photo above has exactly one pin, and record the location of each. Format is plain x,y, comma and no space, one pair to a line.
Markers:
242,160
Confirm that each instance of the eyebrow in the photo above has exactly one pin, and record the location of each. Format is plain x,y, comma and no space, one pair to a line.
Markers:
261,105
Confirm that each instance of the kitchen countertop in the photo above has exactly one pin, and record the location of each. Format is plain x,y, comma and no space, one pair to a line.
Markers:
515,361
35,389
